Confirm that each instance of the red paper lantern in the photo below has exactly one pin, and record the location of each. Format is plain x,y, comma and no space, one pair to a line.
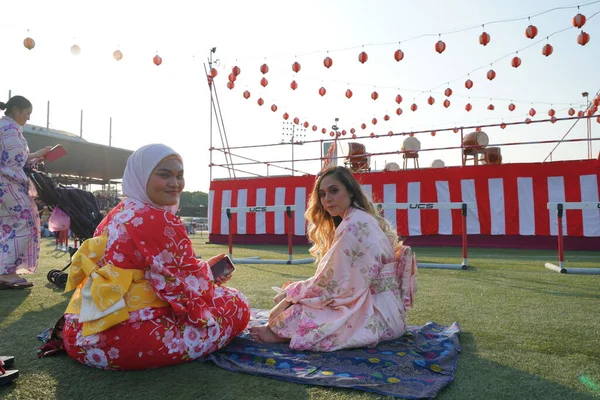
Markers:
484,39
551,112
478,129
324,131
399,111
327,62
411,134
273,108
531,31
348,93
264,82
547,50
230,85
362,57
322,91
448,92
491,74
296,67
231,77
440,46
332,133
374,121
29,44
372,135
413,107
433,133
391,133
580,113
305,124
532,112
511,107
296,120
286,116
597,101
468,107
260,101
398,99
213,71
236,70
314,128
446,103
157,60
352,130
398,55
246,94
468,84
264,68
503,125
516,61
579,20
118,55
430,100
527,120
294,85
363,126
583,38
374,95
571,112
491,107
455,130
386,117
353,136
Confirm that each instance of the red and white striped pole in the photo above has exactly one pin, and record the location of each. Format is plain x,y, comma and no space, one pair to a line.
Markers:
288,213
464,236
230,238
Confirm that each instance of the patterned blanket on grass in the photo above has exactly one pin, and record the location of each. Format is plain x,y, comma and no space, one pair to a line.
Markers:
417,365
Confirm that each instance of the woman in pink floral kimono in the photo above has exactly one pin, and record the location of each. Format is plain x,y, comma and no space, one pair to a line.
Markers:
364,282
19,219
142,299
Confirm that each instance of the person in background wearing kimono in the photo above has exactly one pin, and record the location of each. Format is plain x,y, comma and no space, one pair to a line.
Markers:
365,279
19,218
142,299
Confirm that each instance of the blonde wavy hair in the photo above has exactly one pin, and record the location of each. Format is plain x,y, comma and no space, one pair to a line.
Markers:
321,225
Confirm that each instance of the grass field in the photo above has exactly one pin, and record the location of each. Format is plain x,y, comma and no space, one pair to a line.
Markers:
528,333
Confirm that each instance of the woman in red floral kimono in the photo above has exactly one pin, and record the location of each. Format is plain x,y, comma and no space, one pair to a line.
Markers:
142,298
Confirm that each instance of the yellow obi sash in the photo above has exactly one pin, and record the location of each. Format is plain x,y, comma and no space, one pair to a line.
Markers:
104,296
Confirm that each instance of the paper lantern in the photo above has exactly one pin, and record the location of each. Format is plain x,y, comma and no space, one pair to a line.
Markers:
157,60
430,100
213,72
571,112
532,112
398,55
274,108
363,126
440,46
527,120
231,77
455,130
580,113
547,50
348,93
328,62
391,133
305,124
446,103
531,32
372,135
468,107
363,57
374,95
551,112
413,107
324,131
386,117
511,107
579,20
296,120
29,43
484,39
236,70
583,38
503,125
374,121
332,133
260,101
294,85
398,99
399,111
352,130
491,107
230,85
516,61
296,67
264,82
314,128
448,92
75,50
353,136
343,132
322,91
468,84
264,68
433,133
246,94
118,56
286,116
491,74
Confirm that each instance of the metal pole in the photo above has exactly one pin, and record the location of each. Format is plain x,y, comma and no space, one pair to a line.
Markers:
48,116
293,132
9,94
81,125
110,133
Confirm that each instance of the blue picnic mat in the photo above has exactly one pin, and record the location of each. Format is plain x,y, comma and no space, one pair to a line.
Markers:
417,365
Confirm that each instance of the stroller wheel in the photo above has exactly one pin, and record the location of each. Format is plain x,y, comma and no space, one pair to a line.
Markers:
61,280
51,274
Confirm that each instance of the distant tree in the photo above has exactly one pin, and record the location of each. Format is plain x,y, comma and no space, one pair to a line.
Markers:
194,199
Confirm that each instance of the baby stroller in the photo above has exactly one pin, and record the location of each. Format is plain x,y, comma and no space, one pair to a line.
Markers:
80,205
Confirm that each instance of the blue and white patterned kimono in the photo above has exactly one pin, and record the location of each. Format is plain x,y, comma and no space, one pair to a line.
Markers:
19,218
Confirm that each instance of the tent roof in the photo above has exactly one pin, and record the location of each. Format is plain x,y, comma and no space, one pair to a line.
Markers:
84,159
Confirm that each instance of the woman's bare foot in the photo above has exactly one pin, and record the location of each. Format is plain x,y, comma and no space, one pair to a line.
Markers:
263,334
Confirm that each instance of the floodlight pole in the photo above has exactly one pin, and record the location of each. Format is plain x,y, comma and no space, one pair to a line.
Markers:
589,125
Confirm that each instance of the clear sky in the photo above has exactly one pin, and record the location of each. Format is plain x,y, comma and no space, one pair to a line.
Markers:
170,103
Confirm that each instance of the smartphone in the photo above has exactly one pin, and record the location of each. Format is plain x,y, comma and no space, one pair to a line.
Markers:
223,267
55,153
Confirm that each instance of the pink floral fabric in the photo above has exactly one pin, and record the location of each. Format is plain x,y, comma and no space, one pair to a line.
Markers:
201,317
355,297
19,218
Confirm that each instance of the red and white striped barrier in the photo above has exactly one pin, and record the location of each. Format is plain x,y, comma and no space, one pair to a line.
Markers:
289,210
591,207
417,207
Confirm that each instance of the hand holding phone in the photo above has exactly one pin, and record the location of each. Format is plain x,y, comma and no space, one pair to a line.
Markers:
221,267
55,153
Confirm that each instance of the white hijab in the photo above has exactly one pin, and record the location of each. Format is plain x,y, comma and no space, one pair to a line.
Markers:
139,168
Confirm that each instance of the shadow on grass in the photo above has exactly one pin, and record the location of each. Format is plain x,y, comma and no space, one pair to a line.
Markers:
11,299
